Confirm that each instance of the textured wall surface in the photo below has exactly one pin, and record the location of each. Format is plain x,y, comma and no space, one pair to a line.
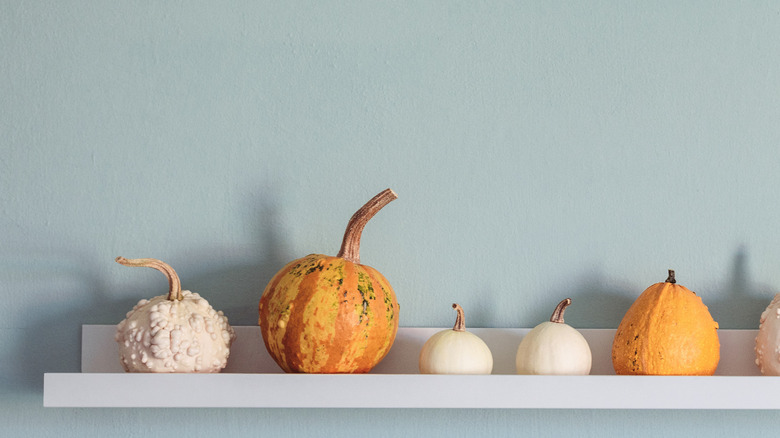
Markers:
539,150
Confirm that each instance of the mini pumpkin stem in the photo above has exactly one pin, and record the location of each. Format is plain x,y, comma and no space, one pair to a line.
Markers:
670,278
350,245
557,315
460,320
174,285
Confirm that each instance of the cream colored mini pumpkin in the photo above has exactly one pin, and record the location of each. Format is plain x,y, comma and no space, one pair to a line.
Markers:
768,339
177,333
554,347
456,351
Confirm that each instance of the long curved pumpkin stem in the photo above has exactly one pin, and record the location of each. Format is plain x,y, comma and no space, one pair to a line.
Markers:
460,320
350,245
174,285
557,315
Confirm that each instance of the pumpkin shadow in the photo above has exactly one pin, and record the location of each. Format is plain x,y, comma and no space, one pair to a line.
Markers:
49,337
66,294
739,301
235,288
597,302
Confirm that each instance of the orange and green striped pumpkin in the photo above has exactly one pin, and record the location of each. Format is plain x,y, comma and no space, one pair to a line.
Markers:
324,314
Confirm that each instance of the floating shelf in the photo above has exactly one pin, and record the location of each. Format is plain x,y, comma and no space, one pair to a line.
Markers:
252,379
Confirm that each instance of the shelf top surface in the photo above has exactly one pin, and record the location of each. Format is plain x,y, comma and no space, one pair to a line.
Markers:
252,379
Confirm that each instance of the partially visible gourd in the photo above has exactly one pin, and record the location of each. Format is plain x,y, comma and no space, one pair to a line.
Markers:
554,347
323,314
667,331
456,351
768,339
175,333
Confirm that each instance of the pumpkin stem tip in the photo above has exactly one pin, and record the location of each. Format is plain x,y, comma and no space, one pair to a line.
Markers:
557,315
174,285
670,278
460,320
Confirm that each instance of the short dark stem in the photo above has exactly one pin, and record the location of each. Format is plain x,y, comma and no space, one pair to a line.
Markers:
670,278
460,320
557,315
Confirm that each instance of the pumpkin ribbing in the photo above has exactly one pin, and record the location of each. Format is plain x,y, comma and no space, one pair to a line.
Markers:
327,310
767,347
554,347
666,331
455,351
323,314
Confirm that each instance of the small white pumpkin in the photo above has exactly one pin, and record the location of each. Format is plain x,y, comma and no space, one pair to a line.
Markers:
768,339
177,333
456,351
554,347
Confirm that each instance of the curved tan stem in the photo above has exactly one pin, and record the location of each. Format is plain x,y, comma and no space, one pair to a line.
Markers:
557,315
350,245
460,320
174,285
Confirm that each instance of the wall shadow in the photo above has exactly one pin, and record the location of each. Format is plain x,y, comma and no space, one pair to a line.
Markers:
66,294
738,301
235,289
49,341
478,310
597,301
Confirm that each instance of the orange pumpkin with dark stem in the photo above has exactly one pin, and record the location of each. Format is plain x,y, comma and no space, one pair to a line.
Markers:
323,314
667,331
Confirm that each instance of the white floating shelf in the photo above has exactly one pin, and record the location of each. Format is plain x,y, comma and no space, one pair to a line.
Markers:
252,379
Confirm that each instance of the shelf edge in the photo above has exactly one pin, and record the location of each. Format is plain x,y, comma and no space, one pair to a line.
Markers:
409,391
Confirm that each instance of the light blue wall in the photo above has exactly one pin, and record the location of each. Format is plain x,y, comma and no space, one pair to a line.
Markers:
539,149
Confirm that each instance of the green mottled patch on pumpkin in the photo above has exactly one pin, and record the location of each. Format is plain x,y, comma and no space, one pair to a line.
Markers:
366,292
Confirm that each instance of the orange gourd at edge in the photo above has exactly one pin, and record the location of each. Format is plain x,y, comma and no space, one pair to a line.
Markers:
667,331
